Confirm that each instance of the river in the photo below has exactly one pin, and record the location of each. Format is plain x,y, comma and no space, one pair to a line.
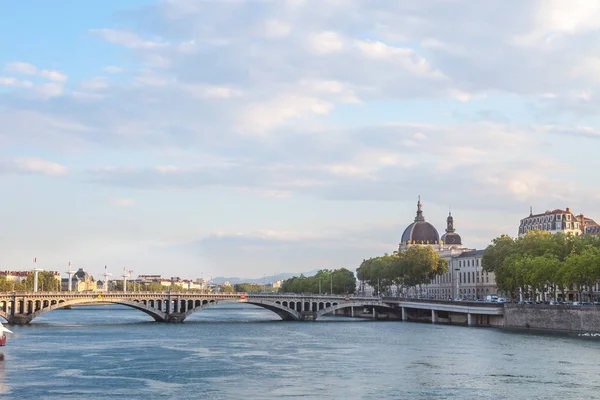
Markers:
240,351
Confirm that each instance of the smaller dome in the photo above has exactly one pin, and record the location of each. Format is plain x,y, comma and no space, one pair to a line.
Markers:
451,238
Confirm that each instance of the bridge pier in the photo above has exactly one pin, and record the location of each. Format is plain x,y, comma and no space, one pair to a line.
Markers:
20,319
404,314
174,318
309,316
434,316
470,321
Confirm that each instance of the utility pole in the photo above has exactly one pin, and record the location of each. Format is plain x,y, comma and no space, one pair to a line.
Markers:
70,273
331,284
106,275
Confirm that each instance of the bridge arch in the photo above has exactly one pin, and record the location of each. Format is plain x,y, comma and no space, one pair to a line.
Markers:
286,314
157,315
332,307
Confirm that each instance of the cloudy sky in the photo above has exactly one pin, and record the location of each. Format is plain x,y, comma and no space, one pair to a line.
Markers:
241,138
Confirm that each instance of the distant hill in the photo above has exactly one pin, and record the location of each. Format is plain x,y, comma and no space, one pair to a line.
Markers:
266,279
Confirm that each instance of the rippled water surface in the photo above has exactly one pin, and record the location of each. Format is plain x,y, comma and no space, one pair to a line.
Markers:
239,351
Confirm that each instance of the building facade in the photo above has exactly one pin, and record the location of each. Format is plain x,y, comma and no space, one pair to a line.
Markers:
465,278
558,220
80,281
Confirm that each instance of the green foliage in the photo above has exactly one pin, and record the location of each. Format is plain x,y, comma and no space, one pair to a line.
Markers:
540,261
252,288
415,266
339,281
5,284
227,289
46,282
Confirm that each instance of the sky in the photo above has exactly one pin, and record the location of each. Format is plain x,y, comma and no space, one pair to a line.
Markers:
252,137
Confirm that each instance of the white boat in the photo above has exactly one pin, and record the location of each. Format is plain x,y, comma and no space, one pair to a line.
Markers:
3,331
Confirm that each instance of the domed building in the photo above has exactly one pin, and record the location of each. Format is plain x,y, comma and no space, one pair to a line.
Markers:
465,278
422,233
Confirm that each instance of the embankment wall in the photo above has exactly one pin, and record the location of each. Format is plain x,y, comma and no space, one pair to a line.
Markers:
552,317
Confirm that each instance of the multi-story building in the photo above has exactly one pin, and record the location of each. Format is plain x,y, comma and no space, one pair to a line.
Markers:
465,278
552,221
558,220
80,281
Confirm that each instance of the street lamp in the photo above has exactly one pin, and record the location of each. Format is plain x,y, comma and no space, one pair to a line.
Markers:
106,275
35,279
457,283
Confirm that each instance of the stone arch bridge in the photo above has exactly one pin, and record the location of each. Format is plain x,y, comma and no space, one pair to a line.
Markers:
21,308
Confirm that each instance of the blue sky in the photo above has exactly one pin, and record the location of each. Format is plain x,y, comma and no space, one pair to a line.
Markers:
243,138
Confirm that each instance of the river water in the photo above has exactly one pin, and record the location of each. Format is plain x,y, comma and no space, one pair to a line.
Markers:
240,351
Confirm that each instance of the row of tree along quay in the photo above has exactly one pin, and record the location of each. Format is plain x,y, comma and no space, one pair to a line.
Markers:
46,282
540,264
412,268
338,281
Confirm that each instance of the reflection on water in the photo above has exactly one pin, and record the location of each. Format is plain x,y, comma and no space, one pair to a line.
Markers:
242,351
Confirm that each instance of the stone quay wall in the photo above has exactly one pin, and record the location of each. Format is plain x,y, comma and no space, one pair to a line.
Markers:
558,318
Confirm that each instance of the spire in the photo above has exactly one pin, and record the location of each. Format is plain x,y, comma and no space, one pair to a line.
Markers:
450,223
419,216
530,211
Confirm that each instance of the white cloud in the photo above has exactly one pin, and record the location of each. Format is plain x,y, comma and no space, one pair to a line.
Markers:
51,89
277,29
128,39
21,68
123,202
14,82
326,42
32,165
111,69
261,117
96,83
28,69
216,92
53,75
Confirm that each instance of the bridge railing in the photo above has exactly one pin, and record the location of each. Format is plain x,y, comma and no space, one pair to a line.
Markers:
438,301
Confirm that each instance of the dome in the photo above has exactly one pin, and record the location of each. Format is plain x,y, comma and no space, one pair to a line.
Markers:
420,231
451,237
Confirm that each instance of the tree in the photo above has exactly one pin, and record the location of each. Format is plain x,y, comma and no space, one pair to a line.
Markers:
339,281
46,282
416,266
227,289
584,269
496,253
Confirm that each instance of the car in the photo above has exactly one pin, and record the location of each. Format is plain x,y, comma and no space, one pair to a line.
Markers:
501,300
